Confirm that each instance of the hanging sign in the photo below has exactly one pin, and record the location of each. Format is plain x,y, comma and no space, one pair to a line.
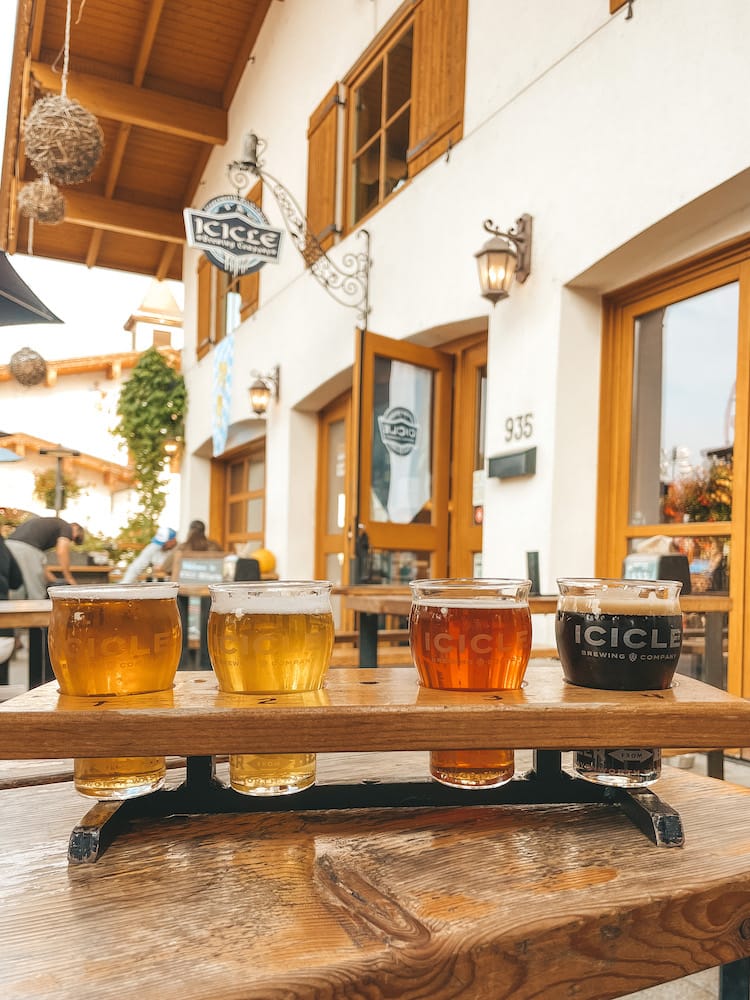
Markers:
234,234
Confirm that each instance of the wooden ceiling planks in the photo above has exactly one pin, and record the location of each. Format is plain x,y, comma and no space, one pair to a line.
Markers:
160,76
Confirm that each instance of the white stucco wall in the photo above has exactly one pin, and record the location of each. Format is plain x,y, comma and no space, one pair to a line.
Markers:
77,412
619,137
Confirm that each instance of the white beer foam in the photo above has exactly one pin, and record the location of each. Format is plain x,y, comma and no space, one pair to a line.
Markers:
487,603
621,603
247,601
113,592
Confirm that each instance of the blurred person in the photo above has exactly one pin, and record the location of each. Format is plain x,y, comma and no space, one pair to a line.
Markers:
10,579
29,543
154,554
196,541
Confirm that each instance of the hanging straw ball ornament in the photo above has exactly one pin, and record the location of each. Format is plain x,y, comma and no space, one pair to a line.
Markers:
42,201
28,367
63,139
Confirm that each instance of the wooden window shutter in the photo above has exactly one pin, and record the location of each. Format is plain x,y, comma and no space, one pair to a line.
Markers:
322,139
249,284
204,281
439,71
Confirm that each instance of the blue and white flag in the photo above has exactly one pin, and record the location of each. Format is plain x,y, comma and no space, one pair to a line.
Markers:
222,395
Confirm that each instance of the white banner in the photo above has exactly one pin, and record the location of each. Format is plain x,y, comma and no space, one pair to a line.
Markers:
405,430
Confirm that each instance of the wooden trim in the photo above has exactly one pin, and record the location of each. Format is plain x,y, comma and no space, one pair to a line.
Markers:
203,313
27,445
433,536
217,519
105,363
727,263
323,168
151,109
117,216
671,279
379,44
465,537
17,84
738,678
327,542
245,51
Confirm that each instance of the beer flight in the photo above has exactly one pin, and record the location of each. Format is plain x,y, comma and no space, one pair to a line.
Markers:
276,637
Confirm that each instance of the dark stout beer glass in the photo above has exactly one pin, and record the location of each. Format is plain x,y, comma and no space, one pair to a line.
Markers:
115,640
471,635
619,635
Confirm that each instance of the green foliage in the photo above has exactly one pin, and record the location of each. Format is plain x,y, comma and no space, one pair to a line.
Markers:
45,486
10,518
151,409
101,543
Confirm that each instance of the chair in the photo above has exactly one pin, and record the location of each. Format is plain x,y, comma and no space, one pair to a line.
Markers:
246,569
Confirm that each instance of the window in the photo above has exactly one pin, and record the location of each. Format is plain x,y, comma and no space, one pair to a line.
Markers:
224,300
674,430
380,114
403,106
245,495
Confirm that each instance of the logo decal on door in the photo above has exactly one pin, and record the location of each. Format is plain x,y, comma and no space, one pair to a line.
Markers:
398,430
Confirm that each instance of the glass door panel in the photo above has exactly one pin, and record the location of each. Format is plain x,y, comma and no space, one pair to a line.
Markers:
402,477
684,381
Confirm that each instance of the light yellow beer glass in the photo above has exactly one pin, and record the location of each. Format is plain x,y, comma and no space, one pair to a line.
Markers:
272,637
115,640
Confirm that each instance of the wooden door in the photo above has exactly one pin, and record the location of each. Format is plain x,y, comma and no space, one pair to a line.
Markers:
401,479
468,475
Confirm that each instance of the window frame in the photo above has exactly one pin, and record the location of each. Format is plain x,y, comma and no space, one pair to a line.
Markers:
723,265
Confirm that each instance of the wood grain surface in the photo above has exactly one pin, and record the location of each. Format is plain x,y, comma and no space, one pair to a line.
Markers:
467,903
369,710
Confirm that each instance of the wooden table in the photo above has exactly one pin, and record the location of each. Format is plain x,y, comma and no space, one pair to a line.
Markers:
372,601
84,576
467,902
33,615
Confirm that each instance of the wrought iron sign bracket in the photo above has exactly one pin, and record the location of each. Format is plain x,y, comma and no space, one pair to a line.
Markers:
347,283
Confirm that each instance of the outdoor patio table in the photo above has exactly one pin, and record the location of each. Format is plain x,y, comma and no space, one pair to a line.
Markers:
467,903
33,615
374,600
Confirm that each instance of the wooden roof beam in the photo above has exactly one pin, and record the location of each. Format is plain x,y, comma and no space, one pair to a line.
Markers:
149,109
123,217
123,133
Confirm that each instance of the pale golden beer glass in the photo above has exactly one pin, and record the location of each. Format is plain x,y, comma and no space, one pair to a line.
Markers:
471,635
272,637
115,640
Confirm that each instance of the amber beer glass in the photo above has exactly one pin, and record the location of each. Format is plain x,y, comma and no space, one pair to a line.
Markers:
619,635
272,637
115,640
471,635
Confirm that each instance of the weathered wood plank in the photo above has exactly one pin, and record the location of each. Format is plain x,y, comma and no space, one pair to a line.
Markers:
471,903
373,710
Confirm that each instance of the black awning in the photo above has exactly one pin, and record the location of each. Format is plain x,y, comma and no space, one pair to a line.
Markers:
18,304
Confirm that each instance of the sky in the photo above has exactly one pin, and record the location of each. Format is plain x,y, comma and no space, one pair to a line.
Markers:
94,303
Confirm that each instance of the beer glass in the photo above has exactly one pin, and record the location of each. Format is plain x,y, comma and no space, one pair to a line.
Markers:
115,640
272,637
619,635
471,635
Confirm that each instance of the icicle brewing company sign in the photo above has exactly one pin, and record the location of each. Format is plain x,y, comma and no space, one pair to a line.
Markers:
233,233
